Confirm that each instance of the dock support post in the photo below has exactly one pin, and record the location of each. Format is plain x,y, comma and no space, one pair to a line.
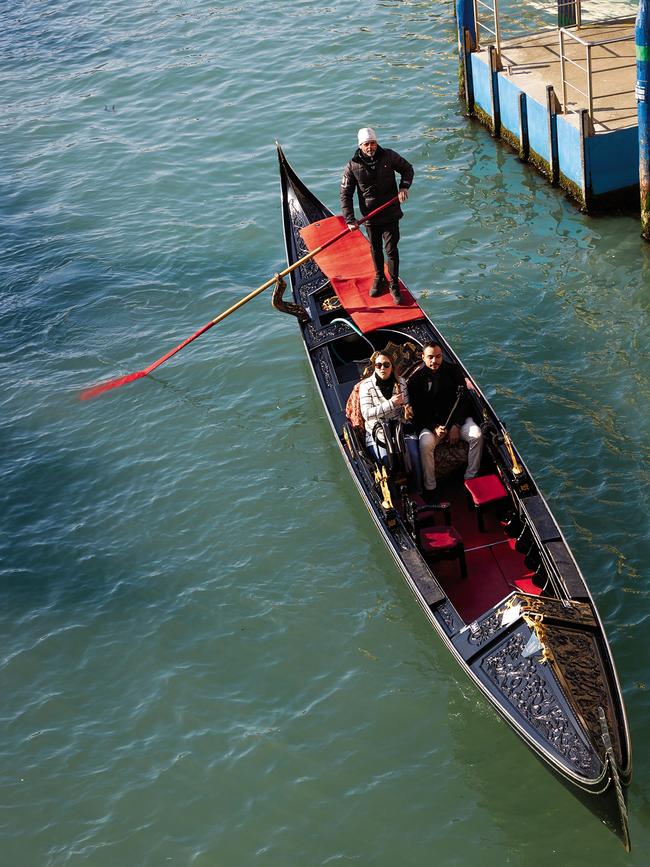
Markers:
552,108
467,69
586,130
524,142
466,23
642,39
493,61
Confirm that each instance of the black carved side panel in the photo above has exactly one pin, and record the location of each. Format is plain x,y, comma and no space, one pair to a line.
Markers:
579,613
420,331
449,618
308,270
323,366
584,680
484,630
531,690
315,336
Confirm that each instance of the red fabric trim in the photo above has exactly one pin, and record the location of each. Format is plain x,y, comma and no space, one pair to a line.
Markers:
348,266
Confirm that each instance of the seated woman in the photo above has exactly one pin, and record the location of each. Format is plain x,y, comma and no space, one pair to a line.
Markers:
383,396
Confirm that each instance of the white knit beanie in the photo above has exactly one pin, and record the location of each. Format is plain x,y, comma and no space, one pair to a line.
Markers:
366,134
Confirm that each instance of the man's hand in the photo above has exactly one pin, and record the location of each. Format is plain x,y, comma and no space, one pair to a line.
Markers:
402,195
353,226
440,431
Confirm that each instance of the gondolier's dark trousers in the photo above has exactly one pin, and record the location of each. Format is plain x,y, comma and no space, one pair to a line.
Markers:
386,236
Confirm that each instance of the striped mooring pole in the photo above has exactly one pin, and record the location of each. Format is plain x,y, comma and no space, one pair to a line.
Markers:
642,39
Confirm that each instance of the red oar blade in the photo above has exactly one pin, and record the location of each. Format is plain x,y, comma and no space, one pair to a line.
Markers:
113,383
122,380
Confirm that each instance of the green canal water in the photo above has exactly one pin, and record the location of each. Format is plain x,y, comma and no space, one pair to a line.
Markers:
207,657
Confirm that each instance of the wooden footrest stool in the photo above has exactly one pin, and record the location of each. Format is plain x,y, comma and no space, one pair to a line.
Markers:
482,492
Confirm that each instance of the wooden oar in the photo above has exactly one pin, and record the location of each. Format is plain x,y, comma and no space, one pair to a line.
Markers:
131,377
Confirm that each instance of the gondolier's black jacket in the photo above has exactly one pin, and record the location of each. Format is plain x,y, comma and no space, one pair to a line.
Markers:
375,187
432,396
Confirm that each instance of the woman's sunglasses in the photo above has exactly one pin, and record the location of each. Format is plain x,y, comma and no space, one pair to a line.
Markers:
382,364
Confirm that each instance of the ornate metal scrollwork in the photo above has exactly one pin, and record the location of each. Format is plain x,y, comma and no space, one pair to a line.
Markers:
526,686
584,682
308,269
449,618
418,331
316,336
324,365
484,630
575,612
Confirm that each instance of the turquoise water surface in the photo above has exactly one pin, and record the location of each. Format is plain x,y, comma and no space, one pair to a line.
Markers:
207,656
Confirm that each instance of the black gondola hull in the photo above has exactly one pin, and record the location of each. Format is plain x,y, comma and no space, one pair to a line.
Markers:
566,704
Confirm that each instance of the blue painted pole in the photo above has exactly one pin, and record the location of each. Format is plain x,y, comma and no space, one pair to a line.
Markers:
466,33
642,38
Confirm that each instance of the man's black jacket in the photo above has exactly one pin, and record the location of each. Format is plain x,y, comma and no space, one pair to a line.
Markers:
432,396
375,187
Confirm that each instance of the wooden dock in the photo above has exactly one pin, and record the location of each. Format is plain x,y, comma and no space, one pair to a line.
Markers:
583,133
534,62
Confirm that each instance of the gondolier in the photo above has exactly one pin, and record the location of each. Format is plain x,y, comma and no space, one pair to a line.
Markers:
371,172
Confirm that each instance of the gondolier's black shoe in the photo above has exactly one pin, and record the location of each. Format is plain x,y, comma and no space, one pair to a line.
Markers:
378,285
395,294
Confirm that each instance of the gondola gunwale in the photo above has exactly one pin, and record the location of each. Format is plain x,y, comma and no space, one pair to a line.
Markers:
590,785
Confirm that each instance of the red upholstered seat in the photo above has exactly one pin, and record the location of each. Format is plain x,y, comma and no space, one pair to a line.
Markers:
438,539
443,543
485,489
482,491
435,543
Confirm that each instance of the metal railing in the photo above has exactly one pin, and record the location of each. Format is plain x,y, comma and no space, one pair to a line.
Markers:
542,15
517,19
589,45
480,23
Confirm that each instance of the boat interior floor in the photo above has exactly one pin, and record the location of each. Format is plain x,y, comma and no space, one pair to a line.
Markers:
494,567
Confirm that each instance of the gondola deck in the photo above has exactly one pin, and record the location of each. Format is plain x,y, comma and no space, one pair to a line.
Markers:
351,284
522,623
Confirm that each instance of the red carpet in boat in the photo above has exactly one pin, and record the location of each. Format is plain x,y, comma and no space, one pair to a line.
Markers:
348,266
494,567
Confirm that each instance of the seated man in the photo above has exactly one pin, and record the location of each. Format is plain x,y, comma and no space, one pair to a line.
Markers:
439,413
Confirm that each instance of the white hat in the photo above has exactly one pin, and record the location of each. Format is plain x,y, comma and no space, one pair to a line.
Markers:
366,134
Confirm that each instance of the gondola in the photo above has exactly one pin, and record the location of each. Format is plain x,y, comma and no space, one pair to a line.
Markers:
507,599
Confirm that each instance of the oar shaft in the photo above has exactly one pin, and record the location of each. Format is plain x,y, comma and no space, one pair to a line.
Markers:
295,265
122,380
